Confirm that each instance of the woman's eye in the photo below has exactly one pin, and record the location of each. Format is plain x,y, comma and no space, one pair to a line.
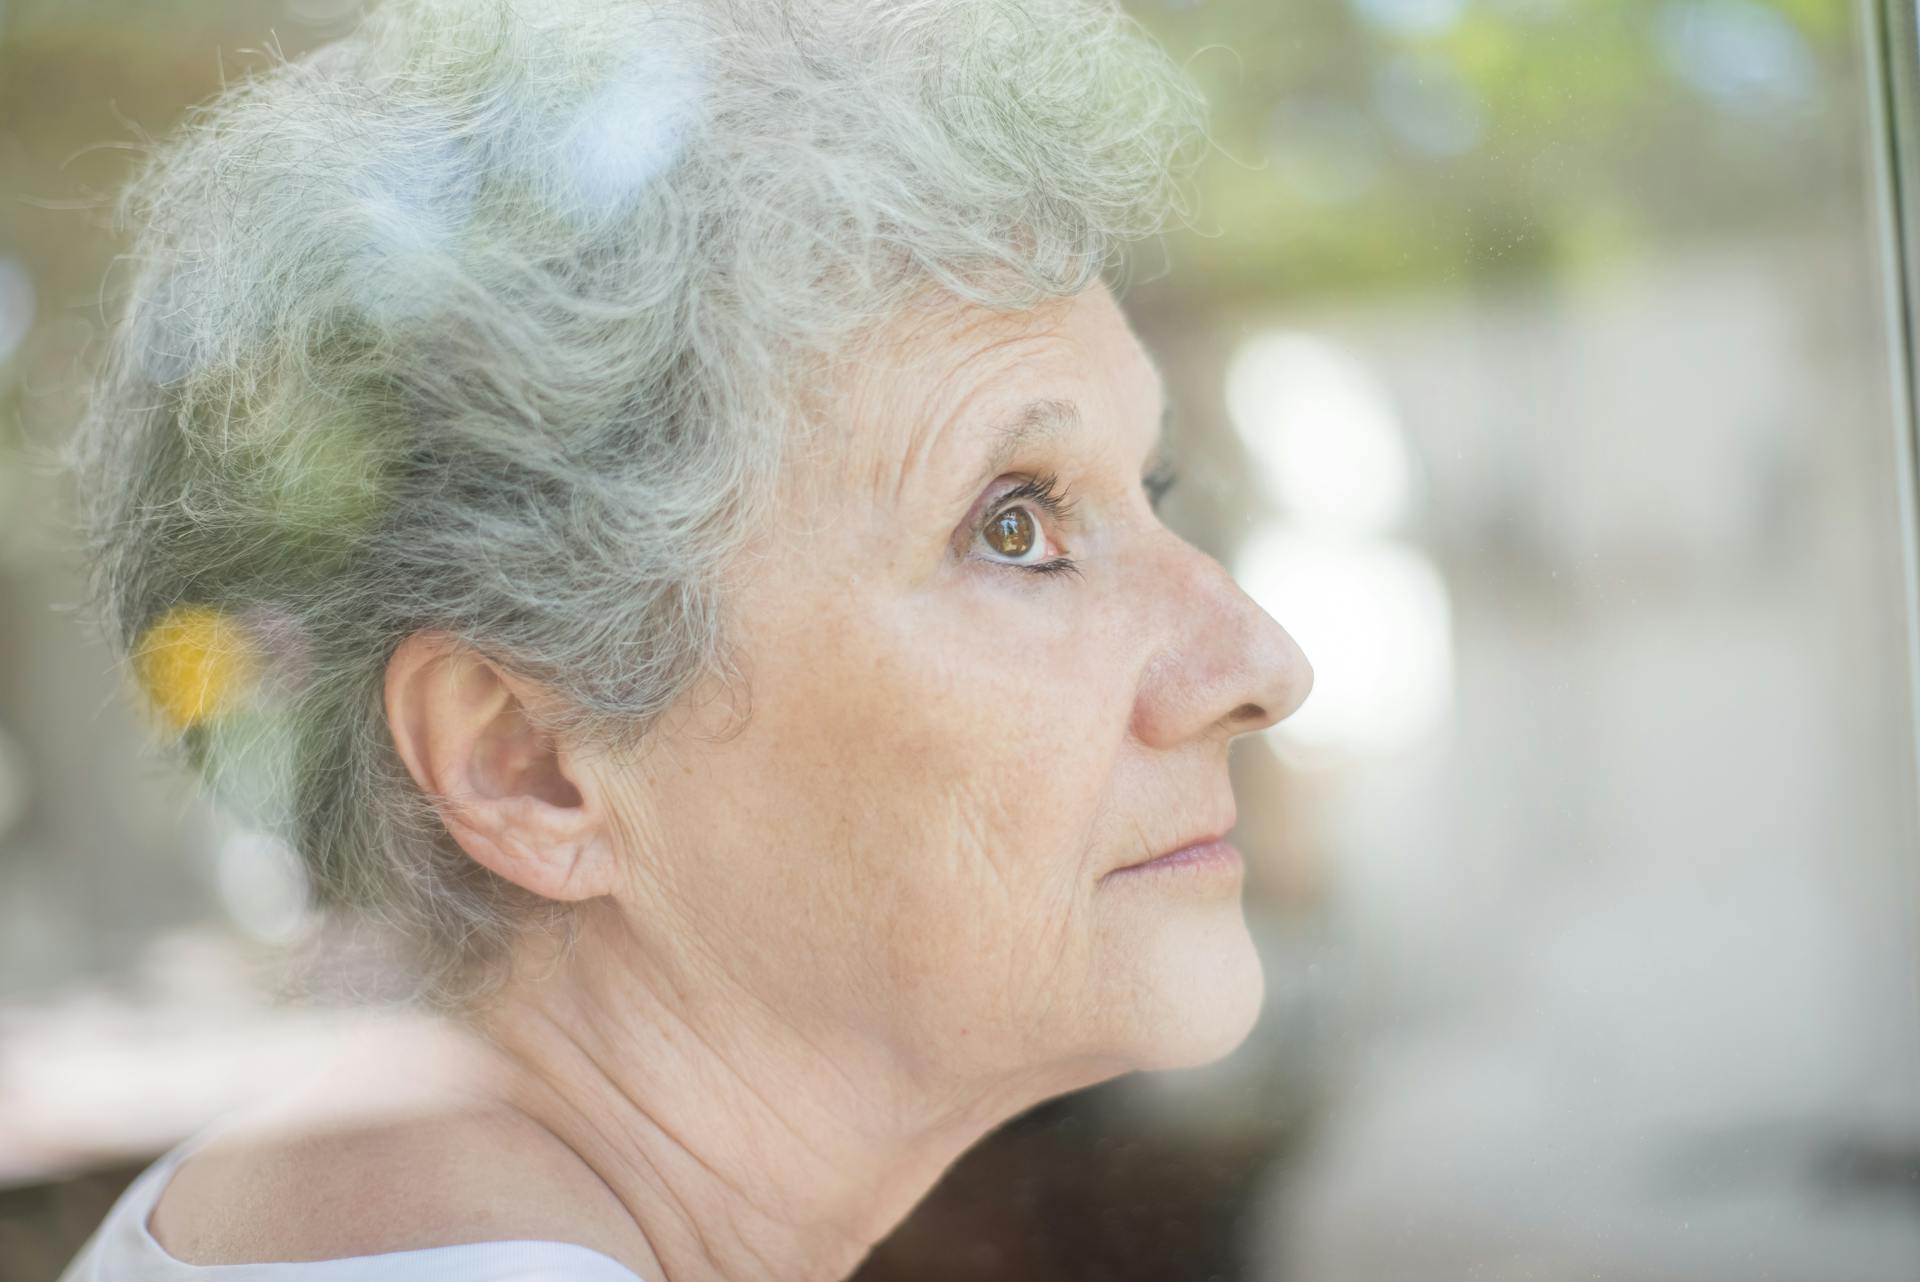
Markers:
1014,533
1158,482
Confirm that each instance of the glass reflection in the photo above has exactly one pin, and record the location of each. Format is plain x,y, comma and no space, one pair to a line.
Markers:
1535,367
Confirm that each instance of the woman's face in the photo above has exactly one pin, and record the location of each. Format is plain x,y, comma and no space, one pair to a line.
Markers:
910,836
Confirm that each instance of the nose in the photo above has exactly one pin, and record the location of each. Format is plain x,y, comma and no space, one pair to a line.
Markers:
1224,667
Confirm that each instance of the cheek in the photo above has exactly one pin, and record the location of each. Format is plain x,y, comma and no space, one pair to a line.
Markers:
985,760
947,776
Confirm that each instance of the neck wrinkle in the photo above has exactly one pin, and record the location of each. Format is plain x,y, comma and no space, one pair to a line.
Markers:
740,1158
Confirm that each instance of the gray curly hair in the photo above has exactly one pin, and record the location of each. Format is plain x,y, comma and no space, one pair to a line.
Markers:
494,317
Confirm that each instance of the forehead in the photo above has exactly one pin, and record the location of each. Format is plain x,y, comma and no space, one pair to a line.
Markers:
970,393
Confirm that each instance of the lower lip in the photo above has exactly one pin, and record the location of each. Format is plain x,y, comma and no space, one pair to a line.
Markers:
1216,857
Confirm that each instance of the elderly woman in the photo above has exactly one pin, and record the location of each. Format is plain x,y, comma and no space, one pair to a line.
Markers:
654,501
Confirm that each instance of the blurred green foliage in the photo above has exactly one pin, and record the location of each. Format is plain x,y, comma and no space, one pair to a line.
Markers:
1362,144
1503,137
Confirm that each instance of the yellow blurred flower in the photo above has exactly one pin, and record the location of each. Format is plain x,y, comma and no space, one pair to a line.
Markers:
194,663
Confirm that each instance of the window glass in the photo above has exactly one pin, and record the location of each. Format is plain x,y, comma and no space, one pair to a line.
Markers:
1534,366
1543,348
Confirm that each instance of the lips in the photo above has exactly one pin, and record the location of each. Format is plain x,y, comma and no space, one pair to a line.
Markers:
1186,849
1208,861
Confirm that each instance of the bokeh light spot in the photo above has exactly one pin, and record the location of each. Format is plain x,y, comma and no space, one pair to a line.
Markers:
628,133
262,885
1429,107
1411,17
195,663
1324,430
1746,57
1375,620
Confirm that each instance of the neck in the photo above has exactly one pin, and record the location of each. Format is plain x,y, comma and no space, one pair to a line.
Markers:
739,1144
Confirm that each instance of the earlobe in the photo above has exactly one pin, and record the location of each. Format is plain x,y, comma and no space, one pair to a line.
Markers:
512,800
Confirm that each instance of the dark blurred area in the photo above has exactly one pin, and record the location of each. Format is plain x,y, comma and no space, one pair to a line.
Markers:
1536,362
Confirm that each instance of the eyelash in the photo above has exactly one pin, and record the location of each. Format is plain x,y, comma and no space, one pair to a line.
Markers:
1045,492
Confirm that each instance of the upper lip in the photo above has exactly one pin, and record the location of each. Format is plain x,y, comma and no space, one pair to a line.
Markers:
1203,839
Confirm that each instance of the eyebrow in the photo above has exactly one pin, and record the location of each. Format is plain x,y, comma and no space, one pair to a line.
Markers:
1034,424
1037,423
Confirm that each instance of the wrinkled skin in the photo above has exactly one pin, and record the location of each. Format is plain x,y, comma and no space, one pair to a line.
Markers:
832,932
944,755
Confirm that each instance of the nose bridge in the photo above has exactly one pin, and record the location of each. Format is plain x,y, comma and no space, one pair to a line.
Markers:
1223,665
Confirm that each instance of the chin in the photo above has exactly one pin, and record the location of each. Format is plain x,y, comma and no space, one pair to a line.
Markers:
1192,991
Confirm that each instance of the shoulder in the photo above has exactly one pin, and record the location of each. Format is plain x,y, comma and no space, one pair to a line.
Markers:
291,1192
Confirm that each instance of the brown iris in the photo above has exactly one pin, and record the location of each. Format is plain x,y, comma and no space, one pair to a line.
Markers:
1012,533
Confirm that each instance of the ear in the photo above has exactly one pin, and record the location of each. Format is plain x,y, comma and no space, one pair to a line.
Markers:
510,798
